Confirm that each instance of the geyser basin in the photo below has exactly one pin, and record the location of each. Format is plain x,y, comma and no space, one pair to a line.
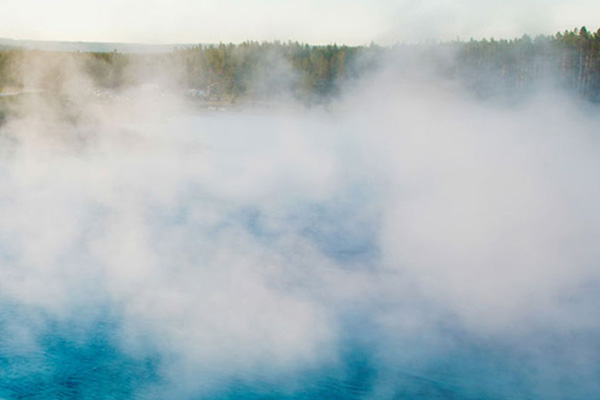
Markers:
370,252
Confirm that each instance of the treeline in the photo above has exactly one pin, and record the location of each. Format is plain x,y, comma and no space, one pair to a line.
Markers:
267,69
570,59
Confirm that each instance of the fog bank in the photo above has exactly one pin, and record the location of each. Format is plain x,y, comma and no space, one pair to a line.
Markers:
408,240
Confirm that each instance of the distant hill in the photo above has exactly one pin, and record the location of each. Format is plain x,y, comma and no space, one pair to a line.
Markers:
96,47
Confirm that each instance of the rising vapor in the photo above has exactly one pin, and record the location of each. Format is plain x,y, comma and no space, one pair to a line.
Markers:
407,240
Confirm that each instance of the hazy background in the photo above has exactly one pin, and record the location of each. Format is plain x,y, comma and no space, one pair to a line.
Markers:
352,22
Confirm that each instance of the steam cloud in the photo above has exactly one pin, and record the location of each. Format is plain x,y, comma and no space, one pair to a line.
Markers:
410,240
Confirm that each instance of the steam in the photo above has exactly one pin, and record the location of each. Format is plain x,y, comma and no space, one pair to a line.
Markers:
404,229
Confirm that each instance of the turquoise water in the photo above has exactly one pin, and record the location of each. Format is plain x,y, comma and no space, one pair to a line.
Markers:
84,356
72,365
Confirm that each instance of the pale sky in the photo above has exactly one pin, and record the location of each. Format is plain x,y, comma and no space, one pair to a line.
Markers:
312,21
